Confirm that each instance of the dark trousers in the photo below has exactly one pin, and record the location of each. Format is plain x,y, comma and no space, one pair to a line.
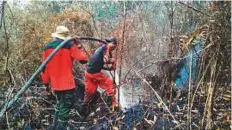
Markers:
65,102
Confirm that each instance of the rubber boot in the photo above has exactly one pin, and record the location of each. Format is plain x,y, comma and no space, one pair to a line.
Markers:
109,101
87,107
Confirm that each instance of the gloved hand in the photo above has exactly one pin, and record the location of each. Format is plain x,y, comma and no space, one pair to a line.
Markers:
76,40
113,62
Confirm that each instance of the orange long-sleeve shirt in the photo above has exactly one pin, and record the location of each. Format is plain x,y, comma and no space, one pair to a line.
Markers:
58,71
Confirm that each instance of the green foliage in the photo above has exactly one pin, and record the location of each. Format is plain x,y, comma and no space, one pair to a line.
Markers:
105,10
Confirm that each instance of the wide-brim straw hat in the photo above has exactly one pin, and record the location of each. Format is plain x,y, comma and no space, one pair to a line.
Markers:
62,32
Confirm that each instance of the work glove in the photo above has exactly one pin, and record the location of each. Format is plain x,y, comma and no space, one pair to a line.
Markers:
113,63
76,40
113,60
107,59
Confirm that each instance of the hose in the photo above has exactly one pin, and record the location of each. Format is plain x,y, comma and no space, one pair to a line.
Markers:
26,86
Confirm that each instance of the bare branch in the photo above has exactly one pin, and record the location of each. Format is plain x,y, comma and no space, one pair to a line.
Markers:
197,10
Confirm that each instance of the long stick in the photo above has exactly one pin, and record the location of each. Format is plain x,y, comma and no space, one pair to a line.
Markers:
157,95
189,94
2,13
123,42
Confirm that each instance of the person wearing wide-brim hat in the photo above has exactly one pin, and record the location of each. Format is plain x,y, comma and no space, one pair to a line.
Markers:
62,32
58,74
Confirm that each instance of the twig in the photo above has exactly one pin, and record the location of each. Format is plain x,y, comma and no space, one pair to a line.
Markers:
170,98
143,58
198,85
7,121
172,58
210,103
171,49
7,99
123,42
12,77
157,95
189,94
105,103
2,13
197,10
211,91
93,19
7,42
155,62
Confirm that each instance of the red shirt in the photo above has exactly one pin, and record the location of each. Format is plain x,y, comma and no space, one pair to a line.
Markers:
58,72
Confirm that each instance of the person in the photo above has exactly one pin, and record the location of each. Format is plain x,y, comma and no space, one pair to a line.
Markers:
101,59
59,76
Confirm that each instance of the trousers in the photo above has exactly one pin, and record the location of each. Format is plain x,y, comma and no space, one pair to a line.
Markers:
92,81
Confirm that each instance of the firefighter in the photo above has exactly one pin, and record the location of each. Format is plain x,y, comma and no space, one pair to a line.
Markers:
101,59
58,74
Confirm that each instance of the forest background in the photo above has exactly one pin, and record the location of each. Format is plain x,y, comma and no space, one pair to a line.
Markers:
154,39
